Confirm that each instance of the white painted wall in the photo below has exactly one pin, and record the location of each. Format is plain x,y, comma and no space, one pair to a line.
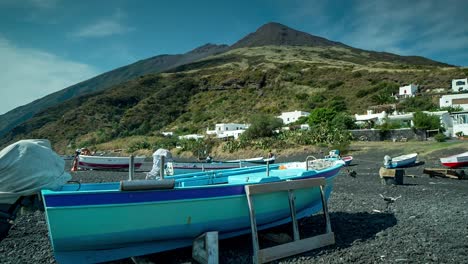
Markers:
291,117
408,90
222,128
460,123
231,133
448,100
459,85
191,136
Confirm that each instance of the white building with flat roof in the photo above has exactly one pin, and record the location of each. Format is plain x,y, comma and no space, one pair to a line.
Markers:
408,91
454,100
460,123
226,130
291,117
377,119
460,85
191,136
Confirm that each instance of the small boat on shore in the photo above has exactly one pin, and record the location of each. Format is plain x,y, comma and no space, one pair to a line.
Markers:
401,161
455,161
100,222
190,167
347,160
107,163
335,155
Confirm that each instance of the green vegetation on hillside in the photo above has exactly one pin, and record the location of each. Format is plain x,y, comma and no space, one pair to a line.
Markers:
232,87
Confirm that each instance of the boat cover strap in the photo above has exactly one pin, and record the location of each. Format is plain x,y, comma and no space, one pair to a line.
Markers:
141,185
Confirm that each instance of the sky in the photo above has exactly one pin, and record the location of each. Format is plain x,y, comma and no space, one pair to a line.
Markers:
48,45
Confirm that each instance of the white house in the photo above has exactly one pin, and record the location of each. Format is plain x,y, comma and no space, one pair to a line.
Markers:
408,91
167,134
370,116
225,130
290,117
191,136
231,133
454,100
460,123
459,85
379,119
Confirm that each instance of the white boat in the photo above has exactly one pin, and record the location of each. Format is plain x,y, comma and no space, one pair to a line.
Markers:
106,163
455,161
402,161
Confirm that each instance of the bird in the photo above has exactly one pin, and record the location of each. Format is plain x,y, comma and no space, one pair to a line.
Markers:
389,200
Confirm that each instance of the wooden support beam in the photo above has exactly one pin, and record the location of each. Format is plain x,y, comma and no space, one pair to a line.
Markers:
205,248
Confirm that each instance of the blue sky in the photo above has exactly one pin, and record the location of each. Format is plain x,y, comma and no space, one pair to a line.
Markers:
47,45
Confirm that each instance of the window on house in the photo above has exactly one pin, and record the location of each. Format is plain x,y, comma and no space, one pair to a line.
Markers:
227,128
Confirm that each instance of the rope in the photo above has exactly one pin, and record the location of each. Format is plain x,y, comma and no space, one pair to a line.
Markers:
79,184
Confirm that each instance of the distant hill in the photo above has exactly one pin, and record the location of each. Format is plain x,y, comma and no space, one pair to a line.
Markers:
272,70
101,82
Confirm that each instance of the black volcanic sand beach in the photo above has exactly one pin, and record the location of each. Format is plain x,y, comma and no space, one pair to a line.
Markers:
428,223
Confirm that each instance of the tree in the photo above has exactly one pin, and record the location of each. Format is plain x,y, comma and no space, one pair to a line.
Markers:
424,121
262,126
344,121
321,115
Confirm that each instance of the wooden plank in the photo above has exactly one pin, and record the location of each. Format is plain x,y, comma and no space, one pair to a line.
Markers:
295,247
141,260
253,225
292,207
205,248
283,186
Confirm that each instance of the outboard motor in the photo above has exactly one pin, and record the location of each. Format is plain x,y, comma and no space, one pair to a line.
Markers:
27,167
155,172
387,161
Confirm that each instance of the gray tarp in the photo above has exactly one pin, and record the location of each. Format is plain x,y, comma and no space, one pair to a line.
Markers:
28,166
155,171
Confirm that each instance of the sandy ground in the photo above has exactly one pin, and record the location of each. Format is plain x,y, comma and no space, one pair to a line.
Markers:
428,223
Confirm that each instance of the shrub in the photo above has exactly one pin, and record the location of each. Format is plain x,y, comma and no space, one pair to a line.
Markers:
262,126
321,115
440,137
424,121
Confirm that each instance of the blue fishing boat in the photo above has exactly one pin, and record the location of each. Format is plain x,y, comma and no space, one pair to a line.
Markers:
191,167
400,161
107,221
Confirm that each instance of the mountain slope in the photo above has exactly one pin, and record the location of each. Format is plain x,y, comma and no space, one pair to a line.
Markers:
101,82
276,34
231,86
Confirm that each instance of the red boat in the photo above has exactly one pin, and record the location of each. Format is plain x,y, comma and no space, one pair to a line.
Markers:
456,161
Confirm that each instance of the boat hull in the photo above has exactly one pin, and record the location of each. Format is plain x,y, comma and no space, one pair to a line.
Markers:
112,224
455,161
107,163
404,161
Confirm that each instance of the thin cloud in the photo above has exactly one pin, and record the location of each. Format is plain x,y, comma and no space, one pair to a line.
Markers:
41,4
105,27
29,74
420,27
44,3
410,27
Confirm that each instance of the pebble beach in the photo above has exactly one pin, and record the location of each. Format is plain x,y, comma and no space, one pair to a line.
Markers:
428,223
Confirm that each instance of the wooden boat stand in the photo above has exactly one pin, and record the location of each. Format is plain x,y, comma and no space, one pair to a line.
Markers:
298,245
445,173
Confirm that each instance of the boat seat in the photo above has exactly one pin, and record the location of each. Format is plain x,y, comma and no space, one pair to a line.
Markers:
143,185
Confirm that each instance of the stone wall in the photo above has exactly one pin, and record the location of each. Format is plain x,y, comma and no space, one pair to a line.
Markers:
393,135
